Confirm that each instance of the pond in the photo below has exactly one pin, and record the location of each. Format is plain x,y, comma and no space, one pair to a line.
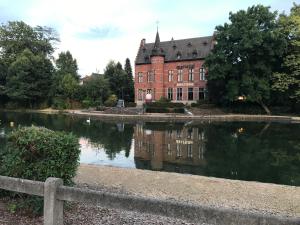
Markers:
252,151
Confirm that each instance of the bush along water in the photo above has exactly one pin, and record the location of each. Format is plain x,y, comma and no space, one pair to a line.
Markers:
36,153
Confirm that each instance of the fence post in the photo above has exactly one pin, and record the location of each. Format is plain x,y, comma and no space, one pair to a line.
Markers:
53,208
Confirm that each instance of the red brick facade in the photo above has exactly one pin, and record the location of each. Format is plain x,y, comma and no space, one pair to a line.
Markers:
181,80
161,83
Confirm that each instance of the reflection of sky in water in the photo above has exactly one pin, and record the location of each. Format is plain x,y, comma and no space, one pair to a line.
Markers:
92,154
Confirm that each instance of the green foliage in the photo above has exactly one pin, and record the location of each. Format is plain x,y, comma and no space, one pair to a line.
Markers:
69,85
29,78
37,153
96,89
130,104
129,91
246,53
119,81
164,107
66,64
16,36
164,100
287,81
58,103
65,83
164,104
111,101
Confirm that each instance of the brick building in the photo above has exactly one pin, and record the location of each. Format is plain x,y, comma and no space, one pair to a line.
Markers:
172,69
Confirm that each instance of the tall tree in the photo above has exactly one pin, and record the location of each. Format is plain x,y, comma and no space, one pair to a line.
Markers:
29,78
66,64
287,81
16,36
247,52
117,78
130,85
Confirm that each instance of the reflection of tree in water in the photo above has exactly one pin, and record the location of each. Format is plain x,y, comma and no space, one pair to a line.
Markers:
104,134
249,154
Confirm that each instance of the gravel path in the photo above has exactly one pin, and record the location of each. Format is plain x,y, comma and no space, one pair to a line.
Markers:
81,214
233,194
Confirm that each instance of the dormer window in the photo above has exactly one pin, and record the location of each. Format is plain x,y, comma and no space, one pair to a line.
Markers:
189,44
195,53
178,55
174,46
144,50
204,43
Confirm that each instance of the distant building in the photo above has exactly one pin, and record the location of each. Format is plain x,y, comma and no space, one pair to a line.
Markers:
172,69
88,77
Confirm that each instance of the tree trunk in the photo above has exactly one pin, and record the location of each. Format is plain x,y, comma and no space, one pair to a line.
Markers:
264,107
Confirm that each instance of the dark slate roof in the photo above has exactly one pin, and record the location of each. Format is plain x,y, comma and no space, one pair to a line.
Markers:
188,49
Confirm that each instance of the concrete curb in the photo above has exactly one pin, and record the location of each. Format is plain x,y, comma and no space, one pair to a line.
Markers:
176,117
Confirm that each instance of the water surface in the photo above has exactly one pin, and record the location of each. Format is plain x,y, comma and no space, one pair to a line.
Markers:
253,151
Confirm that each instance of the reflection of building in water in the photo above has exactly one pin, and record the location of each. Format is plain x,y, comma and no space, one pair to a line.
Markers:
179,150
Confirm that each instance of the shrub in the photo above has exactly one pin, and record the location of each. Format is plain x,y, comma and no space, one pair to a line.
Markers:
164,99
130,104
86,103
37,153
58,103
164,105
111,101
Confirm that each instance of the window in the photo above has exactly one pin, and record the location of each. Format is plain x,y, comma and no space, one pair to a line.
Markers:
178,133
170,75
149,91
140,94
170,93
190,133
140,77
190,94
179,94
179,75
178,150
169,149
170,133
191,74
202,73
201,93
189,151
150,76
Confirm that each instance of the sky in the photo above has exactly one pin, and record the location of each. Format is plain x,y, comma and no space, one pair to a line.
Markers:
97,31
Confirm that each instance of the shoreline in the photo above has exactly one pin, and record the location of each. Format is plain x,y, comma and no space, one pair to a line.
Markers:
161,117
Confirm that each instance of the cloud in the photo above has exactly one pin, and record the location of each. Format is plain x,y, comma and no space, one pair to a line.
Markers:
100,33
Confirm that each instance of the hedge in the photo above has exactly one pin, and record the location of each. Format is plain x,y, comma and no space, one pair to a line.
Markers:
36,153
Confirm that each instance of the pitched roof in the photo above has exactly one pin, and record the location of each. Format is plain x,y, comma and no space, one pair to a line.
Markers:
175,50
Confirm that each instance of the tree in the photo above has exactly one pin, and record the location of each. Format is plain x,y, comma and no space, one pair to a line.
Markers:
287,81
66,69
16,36
67,65
117,78
246,53
69,86
29,78
130,85
96,88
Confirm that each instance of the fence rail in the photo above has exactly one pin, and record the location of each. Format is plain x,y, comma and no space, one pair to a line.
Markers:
55,194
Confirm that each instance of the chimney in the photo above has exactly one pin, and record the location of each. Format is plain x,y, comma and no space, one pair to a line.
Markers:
143,42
